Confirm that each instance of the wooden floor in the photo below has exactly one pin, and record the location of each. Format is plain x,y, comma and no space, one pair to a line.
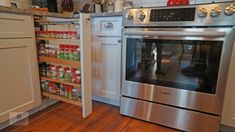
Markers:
63,117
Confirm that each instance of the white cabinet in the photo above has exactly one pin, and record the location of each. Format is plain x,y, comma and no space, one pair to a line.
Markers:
106,59
19,83
228,117
107,69
19,79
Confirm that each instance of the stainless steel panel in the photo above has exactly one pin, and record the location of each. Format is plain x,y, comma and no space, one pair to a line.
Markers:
208,103
222,20
169,116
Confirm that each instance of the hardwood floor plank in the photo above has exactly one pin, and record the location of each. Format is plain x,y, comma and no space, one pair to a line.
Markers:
64,117
141,126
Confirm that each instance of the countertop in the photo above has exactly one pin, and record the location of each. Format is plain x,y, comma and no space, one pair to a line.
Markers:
106,14
49,14
31,12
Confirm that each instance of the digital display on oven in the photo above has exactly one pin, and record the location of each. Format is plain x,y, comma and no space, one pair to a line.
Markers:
182,14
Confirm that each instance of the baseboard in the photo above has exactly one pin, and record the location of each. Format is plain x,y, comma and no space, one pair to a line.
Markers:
45,103
106,100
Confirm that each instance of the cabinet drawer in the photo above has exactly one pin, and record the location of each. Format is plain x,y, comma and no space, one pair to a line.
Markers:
107,26
16,26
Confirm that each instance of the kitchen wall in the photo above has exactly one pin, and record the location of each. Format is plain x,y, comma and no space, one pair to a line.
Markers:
78,4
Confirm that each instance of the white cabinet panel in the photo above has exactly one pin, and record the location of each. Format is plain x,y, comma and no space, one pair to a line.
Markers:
107,69
107,26
19,85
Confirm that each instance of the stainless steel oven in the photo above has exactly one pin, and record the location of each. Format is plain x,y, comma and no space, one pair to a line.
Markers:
175,64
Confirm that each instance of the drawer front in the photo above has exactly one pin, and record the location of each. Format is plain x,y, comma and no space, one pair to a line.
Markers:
16,26
107,26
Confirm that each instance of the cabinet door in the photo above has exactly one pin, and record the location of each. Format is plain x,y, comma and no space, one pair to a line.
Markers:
16,26
107,69
228,117
19,79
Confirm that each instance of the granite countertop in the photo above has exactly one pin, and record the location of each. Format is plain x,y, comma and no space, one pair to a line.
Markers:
106,14
31,12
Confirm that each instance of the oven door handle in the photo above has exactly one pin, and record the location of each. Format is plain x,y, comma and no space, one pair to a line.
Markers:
210,34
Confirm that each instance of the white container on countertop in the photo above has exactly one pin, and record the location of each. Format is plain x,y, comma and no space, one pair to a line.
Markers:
118,5
5,3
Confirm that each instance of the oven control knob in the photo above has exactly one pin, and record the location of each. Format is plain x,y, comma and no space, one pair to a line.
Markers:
202,12
141,15
230,10
215,12
129,16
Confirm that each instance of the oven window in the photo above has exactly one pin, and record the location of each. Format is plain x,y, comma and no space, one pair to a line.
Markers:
189,65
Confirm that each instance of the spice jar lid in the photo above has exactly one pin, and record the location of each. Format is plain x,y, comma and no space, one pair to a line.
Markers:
74,70
78,72
66,68
61,69
58,67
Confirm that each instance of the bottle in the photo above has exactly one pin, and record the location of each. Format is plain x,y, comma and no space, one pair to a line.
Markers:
70,5
63,6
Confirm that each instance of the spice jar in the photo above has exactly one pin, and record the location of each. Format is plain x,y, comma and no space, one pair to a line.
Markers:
66,74
65,35
66,91
47,49
66,52
62,52
73,35
58,72
43,85
78,77
57,48
54,73
61,74
74,53
53,88
70,89
53,34
73,75
46,86
76,94
42,50
53,51
50,87
49,70
62,90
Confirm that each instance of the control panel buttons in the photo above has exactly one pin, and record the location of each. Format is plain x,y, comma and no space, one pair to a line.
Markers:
202,13
230,10
141,15
215,12
129,16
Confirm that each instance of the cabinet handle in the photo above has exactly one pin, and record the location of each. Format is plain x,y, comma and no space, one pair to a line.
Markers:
119,41
108,25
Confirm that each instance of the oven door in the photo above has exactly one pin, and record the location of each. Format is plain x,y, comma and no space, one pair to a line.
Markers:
185,68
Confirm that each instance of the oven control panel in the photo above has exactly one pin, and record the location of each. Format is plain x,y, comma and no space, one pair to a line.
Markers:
178,14
216,14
